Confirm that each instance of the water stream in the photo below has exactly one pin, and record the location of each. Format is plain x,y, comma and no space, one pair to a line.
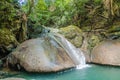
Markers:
75,53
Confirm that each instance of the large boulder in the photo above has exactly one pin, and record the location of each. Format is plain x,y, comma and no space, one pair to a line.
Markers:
40,55
107,53
73,34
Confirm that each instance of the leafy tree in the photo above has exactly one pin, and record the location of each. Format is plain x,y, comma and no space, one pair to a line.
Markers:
7,13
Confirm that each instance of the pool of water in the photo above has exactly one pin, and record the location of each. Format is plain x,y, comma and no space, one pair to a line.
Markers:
94,72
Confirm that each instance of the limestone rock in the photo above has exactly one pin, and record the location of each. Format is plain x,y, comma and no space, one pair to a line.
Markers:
40,55
107,52
73,34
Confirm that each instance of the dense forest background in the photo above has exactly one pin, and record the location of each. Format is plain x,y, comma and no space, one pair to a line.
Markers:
20,18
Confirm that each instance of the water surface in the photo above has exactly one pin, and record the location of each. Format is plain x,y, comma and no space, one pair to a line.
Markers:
94,72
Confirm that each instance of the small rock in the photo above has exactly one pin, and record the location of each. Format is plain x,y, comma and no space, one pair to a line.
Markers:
13,79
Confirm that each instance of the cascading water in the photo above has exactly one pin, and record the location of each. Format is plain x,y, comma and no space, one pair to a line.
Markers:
76,54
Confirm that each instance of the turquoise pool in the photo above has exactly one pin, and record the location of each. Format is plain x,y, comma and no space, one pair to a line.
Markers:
95,72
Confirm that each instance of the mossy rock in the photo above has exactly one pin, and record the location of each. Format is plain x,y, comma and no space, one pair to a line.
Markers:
70,31
113,32
6,37
93,41
114,29
7,41
73,34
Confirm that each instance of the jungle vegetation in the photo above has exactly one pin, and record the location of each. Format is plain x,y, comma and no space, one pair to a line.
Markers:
19,17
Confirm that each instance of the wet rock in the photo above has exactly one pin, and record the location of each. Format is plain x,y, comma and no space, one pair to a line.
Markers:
13,79
73,34
40,55
89,42
107,53
5,73
78,38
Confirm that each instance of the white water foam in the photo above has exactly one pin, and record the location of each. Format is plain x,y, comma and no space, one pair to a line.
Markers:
82,66
78,55
82,60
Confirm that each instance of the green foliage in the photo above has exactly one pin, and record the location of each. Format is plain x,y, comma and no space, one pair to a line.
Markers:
6,37
97,2
56,13
7,13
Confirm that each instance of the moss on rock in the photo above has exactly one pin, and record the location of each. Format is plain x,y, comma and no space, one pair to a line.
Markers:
6,37
113,32
73,34
114,28
7,41
93,41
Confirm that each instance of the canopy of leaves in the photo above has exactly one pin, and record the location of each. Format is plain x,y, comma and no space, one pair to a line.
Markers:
56,13
7,12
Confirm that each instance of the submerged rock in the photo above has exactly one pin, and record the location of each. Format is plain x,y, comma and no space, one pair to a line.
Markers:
13,79
108,53
41,55
7,74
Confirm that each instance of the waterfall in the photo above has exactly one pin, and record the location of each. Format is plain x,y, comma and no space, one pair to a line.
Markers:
75,54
